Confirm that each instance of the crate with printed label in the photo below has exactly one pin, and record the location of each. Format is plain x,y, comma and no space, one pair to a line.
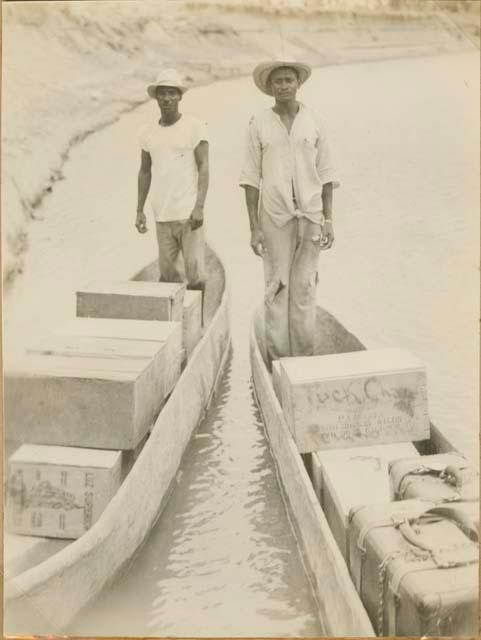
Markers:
59,492
355,399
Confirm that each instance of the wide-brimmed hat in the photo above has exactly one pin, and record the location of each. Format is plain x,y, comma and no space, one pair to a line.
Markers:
264,69
167,78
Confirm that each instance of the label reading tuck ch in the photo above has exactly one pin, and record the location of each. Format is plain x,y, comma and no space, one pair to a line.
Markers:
360,411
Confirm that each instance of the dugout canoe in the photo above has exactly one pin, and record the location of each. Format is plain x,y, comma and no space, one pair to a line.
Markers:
44,598
340,609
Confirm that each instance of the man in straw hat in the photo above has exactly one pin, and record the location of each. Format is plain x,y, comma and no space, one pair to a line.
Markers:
288,180
175,170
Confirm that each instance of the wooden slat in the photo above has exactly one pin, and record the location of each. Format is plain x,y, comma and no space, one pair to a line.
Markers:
89,347
135,288
114,328
74,366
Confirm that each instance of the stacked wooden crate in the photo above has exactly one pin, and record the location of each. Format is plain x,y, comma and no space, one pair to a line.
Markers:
347,410
164,301
88,391
358,414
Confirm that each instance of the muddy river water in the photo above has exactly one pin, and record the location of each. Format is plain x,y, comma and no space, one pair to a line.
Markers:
404,272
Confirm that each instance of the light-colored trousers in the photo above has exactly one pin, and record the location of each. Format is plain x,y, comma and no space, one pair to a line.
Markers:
174,237
290,273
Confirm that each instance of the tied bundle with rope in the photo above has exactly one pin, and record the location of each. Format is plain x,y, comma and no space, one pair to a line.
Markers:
415,566
446,477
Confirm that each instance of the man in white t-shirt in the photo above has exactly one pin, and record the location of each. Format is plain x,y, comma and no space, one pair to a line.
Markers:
174,170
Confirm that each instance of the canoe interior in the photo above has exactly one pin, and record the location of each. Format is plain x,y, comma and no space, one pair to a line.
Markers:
90,563
341,611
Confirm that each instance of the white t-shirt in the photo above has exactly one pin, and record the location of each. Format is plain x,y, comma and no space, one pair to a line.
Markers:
173,189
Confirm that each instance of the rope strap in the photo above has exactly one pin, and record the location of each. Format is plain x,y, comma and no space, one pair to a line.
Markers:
415,561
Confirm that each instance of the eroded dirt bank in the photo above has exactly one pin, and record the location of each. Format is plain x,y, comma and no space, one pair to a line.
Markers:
71,68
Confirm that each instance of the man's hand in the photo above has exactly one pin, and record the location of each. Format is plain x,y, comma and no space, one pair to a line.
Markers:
141,222
257,242
196,218
327,238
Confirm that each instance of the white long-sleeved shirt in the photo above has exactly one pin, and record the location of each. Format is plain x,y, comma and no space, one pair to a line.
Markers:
288,168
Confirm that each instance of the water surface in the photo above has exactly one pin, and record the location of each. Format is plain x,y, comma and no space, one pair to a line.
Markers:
404,272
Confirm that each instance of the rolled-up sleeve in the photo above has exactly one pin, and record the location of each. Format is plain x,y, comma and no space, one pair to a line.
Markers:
251,174
324,161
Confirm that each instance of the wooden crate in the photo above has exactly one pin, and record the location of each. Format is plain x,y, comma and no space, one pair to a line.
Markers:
353,477
59,492
84,389
163,334
132,300
354,399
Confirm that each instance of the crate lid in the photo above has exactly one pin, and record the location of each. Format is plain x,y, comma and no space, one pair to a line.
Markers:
134,288
344,365
121,329
68,456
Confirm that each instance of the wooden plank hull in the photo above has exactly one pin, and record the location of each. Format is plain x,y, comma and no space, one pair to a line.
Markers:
46,597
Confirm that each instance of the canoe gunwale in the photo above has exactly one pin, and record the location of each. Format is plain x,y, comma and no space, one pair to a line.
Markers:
341,611
91,562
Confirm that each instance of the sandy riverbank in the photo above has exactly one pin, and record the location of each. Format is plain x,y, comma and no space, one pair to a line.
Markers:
71,68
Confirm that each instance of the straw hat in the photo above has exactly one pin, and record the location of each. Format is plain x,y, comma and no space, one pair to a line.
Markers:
262,71
167,78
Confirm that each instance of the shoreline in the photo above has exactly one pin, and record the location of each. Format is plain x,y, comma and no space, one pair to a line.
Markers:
35,154
88,247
